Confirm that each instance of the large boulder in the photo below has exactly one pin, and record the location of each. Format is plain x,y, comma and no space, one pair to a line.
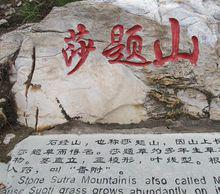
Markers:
104,92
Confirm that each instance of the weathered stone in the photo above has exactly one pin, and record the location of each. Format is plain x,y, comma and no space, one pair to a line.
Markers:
3,21
2,100
171,101
19,3
8,138
215,109
195,103
9,44
107,89
98,92
10,11
213,83
217,15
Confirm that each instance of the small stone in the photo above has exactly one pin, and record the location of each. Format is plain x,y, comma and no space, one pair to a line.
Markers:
3,6
215,109
8,138
9,5
3,21
2,186
10,11
2,100
217,15
19,4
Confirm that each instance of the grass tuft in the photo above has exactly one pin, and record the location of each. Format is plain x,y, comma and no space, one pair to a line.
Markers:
60,3
35,10
30,11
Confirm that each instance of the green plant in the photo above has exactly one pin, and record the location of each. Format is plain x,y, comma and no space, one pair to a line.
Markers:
63,2
35,10
30,11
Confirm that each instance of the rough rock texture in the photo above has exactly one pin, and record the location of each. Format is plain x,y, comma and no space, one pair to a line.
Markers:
103,92
198,16
214,109
3,21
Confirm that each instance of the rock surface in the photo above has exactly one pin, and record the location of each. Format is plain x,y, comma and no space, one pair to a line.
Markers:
112,93
3,21
8,138
198,16
214,109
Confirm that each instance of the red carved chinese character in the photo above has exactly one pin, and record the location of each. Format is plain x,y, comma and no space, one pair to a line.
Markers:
82,51
114,51
175,55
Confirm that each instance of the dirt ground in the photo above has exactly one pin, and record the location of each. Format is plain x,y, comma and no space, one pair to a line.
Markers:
20,134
